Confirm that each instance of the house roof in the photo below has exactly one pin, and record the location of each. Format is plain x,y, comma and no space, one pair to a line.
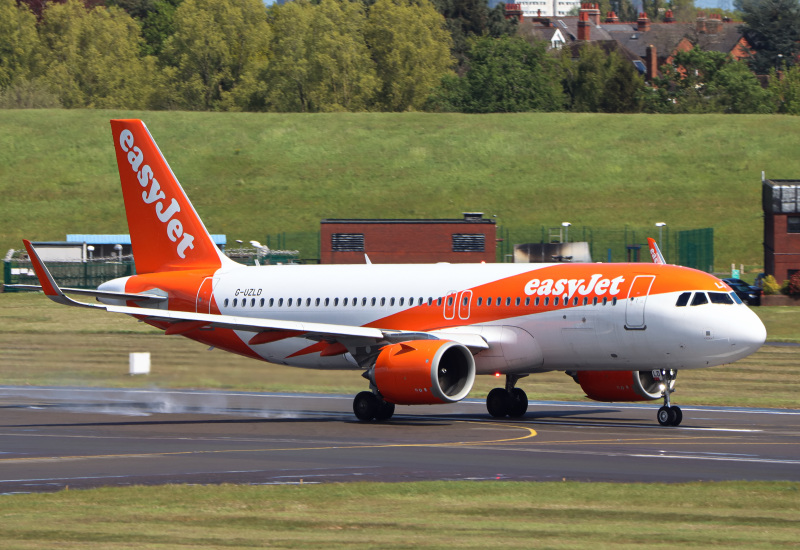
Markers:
666,37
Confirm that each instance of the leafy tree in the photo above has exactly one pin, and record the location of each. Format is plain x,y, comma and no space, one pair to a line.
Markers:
772,27
701,81
471,18
321,61
411,49
94,57
217,44
506,74
156,18
785,89
20,49
600,81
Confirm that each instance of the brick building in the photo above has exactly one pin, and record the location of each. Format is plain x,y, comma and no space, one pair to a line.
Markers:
471,239
781,203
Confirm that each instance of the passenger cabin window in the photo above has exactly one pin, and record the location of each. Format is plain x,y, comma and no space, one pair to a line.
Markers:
720,298
699,299
683,299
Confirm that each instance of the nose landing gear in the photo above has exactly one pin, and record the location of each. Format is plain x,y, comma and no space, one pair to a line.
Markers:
669,415
509,401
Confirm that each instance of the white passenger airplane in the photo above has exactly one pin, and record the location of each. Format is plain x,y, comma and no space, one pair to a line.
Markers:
418,333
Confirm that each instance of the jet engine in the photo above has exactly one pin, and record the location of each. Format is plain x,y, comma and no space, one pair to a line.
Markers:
613,386
424,372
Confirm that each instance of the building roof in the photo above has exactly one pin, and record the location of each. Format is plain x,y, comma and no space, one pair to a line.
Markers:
666,37
123,239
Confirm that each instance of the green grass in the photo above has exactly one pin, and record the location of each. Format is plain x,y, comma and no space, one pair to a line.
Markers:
250,175
409,515
42,343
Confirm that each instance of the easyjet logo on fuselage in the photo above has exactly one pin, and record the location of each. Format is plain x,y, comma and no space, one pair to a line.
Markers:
556,287
154,195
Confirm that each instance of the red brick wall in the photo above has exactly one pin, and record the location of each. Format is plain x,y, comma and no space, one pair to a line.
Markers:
393,242
781,249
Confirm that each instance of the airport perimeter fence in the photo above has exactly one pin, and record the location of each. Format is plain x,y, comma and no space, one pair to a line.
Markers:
687,247
681,246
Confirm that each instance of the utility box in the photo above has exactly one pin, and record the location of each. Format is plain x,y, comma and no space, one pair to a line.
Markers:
139,363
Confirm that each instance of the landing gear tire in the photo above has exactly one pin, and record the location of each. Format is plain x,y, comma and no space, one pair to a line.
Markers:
670,416
385,411
498,403
678,415
366,406
519,403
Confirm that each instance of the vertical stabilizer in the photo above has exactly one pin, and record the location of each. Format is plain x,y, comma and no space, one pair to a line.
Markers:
166,232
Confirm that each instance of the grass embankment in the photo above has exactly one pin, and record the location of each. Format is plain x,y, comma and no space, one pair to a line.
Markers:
42,343
250,175
409,515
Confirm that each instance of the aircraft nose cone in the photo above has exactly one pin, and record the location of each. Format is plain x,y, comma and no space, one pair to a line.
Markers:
749,333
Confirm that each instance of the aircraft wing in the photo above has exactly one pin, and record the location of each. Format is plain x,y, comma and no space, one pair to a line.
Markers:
186,321
154,298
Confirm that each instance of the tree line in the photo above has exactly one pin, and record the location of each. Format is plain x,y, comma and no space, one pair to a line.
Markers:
341,55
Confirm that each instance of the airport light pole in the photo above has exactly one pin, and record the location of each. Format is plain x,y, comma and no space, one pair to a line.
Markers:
660,226
566,225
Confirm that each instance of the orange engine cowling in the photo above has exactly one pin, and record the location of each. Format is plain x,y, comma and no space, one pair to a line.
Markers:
424,372
609,385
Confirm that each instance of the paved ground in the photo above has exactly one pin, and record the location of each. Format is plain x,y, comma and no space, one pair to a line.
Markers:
83,437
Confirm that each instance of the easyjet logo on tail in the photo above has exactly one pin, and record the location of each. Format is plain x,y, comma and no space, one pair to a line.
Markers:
166,208
556,287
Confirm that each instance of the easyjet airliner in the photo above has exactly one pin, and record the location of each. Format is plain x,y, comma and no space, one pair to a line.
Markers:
419,334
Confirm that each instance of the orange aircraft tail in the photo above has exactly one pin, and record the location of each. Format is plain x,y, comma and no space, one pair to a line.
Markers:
166,232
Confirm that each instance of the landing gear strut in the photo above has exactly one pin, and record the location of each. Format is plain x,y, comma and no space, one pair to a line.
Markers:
509,401
367,407
669,415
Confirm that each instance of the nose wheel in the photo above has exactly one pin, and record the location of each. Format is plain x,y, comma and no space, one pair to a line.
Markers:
509,401
669,415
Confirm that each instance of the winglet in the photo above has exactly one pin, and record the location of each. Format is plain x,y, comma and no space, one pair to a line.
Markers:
655,252
49,285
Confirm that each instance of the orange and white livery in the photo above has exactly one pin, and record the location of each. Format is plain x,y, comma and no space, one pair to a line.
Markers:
418,333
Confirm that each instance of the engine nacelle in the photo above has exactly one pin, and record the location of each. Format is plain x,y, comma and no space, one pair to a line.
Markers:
424,372
610,385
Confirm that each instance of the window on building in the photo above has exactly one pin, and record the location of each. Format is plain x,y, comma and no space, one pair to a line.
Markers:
347,242
465,242
793,224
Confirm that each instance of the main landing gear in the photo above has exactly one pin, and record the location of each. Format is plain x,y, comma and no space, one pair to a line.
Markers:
367,406
508,401
669,415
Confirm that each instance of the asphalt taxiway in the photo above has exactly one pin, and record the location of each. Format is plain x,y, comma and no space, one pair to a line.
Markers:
52,438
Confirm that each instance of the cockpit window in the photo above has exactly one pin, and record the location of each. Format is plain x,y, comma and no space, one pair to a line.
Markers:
699,299
736,298
720,298
683,299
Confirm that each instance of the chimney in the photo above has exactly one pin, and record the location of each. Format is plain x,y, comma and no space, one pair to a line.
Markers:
701,22
651,59
643,23
669,17
514,11
584,30
611,17
713,24
592,12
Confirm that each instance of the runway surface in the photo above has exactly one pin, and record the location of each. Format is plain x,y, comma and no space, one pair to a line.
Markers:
51,438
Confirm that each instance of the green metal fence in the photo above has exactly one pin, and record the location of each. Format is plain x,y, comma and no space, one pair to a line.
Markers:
682,246
67,274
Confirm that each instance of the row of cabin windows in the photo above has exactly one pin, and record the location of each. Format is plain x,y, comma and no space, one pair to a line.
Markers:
327,302
702,298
